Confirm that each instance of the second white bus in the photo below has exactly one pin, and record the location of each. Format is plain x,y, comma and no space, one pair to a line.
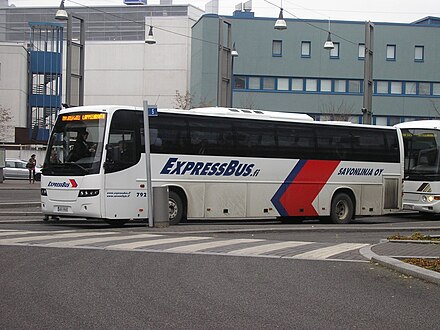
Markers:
422,165
220,164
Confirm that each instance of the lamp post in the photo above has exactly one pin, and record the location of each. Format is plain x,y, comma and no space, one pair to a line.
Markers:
234,54
367,112
78,74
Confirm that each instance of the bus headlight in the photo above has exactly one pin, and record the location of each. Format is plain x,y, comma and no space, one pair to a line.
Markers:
88,193
427,199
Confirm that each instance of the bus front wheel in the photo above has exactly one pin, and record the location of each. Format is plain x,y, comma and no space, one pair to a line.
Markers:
342,209
175,204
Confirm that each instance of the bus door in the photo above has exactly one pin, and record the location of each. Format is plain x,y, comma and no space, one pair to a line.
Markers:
124,198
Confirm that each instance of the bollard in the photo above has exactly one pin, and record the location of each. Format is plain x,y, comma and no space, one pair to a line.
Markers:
160,207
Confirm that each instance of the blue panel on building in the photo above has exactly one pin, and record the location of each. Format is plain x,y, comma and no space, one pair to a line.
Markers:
43,134
45,62
45,101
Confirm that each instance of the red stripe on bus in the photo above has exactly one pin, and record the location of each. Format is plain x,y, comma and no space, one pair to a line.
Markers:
299,196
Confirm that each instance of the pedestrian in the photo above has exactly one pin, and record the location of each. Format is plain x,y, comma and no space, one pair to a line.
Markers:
32,162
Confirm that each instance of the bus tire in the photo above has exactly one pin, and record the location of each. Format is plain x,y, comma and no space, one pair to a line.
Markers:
176,207
342,209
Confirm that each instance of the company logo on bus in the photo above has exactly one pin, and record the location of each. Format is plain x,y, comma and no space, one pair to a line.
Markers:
71,184
174,166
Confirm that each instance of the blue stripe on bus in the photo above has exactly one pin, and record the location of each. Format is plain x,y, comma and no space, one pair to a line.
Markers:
276,199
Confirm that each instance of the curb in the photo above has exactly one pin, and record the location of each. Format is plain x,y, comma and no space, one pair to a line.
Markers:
400,266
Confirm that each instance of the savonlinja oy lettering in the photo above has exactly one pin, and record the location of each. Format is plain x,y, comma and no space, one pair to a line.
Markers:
360,171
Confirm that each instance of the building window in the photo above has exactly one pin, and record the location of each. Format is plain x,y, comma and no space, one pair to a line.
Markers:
334,53
269,83
354,86
436,89
340,86
283,84
254,83
382,87
424,88
239,82
419,53
361,51
306,49
391,52
277,48
411,88
311,85
297,84
326,85
396,87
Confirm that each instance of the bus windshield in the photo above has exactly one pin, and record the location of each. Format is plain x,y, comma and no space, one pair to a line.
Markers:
421,154
76,144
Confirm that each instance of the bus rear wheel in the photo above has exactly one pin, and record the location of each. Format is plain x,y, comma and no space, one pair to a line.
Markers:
342,209
176,206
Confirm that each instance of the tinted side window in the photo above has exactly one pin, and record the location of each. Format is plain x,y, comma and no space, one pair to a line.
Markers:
255,138
124,146
211,136
296,141
169,134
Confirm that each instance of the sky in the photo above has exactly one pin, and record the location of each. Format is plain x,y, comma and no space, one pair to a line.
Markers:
401,11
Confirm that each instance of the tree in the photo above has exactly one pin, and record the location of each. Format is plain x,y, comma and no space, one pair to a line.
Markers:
339,112
5,126
183,101
436,108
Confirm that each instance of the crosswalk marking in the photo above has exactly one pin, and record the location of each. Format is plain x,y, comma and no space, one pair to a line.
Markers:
111,240
25,232
266,248
329,251
94,240
53,236
209,245
135,245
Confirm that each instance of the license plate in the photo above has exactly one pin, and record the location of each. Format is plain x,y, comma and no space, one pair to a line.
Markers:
63,209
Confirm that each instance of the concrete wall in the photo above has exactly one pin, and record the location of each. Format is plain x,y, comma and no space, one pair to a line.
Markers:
13,88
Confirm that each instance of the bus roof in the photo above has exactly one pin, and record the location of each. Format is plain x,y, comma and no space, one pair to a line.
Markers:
209,111
427,124
231,113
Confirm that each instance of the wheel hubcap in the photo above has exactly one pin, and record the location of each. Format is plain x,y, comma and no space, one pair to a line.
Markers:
342,209
172,208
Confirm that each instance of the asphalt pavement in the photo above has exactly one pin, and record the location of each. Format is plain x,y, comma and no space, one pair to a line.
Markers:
20,199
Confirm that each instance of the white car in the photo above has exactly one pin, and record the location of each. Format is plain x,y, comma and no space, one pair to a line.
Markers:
16,169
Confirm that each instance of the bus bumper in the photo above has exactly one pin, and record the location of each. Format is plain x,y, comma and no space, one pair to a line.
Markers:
90,207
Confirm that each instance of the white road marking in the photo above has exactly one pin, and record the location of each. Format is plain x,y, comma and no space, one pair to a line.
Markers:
135,245
47,237
329,251
207,245
94,240
260,249
183,244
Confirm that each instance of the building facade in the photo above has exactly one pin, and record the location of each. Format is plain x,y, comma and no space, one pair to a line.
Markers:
290,70
120,68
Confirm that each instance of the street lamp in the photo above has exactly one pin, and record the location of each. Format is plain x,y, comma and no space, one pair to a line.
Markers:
329,43
280,24
234,54
78,75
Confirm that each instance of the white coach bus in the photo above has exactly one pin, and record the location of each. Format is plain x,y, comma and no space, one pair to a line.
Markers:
219,163
422,165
